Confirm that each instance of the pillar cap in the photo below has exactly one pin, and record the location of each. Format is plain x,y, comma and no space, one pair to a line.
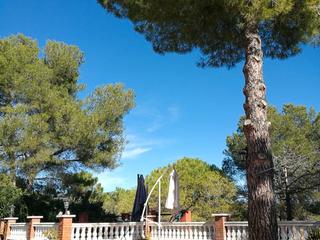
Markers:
66,216
221,215
11,218
34,217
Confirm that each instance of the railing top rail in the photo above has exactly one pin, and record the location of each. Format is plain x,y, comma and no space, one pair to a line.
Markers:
195,224
281,223
18,224
297,223
45,224
107,224
236,223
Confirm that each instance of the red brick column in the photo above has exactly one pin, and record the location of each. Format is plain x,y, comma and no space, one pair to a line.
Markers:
31,221
2,225
186,217
65,226
219,227
9,221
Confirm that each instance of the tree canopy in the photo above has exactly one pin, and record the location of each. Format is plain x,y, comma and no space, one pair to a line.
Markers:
45,129
217,28
119,201
296,147
203,188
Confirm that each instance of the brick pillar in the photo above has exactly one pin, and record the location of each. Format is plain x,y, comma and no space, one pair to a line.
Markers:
219,227
9,221
65,226
31,221
2,225
186,217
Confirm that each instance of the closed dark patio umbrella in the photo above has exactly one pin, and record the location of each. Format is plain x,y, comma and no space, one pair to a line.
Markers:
140,199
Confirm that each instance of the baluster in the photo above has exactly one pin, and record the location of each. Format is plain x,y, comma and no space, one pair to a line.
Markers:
82,234
300,232
111,234
238,233
187,232
75,233
178,232
116,232
88,233
95,232
290,232
191,235
121,233
229,233
195,232
126,232
233,233
305,233
175,232
200,231
166,232
155,231
169,233
184,232
242,234
104,232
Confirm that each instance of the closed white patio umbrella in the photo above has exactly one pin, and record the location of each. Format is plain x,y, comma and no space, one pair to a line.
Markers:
173,192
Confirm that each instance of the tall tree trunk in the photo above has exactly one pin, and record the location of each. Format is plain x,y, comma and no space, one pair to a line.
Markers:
261,198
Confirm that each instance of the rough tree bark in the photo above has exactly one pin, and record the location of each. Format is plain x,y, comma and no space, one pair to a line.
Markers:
261,199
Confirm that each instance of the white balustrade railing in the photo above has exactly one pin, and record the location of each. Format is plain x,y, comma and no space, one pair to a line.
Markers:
18,231
183,231
288,230
294,230
237,230
41,230
106,231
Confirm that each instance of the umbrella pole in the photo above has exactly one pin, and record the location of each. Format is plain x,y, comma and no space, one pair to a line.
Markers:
159,209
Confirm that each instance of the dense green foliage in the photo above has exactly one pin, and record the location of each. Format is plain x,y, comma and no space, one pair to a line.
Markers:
203,188
44,128
9,194
81,189
295,138
217,28
49,138
119,201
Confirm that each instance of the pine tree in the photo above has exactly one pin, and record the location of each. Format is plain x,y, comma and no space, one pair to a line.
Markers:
228,32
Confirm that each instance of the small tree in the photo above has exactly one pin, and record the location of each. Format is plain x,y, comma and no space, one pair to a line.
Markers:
228,32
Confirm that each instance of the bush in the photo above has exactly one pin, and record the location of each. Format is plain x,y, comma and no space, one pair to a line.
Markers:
314,234
51,234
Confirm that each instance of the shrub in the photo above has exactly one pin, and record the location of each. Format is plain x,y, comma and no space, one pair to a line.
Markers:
314,234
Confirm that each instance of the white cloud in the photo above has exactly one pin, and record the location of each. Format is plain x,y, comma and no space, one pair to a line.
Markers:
134,152
161,119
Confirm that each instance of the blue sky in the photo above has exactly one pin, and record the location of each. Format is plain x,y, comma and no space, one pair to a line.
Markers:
181,110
